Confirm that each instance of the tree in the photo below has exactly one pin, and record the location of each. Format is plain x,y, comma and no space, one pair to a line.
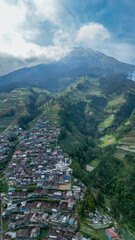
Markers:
81,209
114,206
91,203
100,197
63,133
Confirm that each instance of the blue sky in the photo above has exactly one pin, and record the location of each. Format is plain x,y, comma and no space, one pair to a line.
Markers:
42,31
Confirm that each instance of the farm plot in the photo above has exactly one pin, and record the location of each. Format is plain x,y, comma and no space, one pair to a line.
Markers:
12,106
128,142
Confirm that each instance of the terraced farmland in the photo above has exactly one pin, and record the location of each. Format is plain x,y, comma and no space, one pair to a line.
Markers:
12,106
127,144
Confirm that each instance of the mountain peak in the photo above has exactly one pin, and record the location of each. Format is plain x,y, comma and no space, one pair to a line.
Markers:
57,76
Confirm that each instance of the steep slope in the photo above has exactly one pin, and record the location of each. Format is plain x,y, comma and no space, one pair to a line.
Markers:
94,114
20,105
57,76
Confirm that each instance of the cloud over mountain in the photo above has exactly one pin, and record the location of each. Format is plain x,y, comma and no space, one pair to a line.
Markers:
40,31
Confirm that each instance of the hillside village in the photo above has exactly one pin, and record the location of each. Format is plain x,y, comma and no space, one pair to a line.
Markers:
39,186
40,203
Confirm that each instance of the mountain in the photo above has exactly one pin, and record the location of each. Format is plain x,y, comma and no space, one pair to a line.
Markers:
57,76
95,110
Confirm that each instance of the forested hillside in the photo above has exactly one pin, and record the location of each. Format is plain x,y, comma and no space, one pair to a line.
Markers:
93,120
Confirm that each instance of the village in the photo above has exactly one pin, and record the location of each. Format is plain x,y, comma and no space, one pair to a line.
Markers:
39,186
40,203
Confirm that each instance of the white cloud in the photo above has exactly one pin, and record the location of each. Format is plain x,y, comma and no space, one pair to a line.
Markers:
63,38
92,34
23,22
11,16
16,46
48,10
96,36
17,41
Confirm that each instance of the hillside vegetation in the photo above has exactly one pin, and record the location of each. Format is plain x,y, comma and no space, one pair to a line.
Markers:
94,117
94,106
20,105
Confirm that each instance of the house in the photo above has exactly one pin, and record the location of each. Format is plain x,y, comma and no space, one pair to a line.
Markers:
70,205
111,234
35,233
23,233
53,234
71,221
57,194
9,235
78,236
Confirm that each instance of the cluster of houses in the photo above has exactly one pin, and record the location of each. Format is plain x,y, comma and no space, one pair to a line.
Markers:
40,196
40,203
5,146
98,219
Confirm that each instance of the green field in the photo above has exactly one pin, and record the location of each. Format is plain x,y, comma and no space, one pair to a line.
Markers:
88,231
5,225
12,106
106,123
126,144
44,233
94,163
107,140
51,111
116,100
120,154
125,234
91,87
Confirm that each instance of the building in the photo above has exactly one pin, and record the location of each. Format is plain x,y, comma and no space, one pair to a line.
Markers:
111,234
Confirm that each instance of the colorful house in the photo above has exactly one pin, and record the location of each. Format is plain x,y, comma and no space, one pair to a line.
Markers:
111,234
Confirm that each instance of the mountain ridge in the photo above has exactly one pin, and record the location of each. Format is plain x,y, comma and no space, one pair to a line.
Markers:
55,77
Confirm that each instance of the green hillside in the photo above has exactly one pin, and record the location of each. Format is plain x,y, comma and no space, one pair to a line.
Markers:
15,106
97,124
12,106
96,115
97,121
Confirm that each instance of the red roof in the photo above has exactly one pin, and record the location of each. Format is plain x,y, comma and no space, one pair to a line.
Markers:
112,234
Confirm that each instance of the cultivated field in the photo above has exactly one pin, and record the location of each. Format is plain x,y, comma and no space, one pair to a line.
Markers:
12,106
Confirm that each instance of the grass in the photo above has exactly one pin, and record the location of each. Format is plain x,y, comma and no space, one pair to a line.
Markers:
91,87
51,111
120,154
126,144
107,140
125,234
32,187
110,110
107,201
88,231
94,163
117,100
5,225
106,123
14,99
44,233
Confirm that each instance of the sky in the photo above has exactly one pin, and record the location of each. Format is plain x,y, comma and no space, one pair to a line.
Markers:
44,31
